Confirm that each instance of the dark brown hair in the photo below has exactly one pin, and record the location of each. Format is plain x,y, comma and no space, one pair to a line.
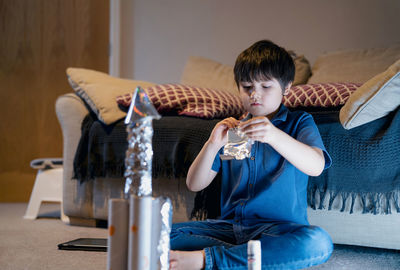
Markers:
264,60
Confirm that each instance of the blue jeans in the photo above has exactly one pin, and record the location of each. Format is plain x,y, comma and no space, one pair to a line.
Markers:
284,245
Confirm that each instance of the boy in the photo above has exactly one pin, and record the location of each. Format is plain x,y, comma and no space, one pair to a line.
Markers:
263,197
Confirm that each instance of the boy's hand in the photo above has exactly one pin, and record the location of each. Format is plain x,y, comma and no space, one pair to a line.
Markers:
219,135
258,129
310,160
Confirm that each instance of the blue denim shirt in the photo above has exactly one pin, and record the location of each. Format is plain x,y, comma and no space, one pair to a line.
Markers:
266,187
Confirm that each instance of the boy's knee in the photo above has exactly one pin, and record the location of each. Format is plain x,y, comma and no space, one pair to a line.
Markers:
317,240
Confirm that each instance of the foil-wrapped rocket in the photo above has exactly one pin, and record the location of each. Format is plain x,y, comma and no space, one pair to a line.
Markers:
139,155
150,218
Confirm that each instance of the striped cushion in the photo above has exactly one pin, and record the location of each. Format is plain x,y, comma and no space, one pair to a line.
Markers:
190,100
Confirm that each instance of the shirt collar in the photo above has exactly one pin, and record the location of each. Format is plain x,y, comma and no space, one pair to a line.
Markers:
281,115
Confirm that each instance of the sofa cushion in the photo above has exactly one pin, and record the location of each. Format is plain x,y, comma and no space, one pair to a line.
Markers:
190,100
99,91
303,69
203,72
374,99
319,95
207,73
353,65
211,103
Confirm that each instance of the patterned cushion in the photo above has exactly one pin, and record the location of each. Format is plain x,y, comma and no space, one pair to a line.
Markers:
319,95
190,100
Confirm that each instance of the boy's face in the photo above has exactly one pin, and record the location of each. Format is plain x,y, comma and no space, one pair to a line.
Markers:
262,98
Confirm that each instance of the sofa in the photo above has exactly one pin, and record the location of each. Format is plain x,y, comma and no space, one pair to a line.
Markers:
352,94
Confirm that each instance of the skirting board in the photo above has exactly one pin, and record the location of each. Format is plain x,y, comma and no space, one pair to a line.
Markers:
381,230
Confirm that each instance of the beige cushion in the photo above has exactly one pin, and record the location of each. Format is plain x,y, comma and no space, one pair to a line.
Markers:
303,69
203,72
207,73
99,90
374,99
357,66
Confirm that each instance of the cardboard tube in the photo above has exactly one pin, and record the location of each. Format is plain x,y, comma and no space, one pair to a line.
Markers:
155,233
117,250
140,229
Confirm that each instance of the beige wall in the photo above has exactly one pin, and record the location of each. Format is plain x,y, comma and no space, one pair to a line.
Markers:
165,33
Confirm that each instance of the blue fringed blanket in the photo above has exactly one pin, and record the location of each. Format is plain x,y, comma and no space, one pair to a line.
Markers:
366,163
366,159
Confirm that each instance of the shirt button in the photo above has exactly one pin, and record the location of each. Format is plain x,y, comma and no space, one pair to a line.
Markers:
250,185
252,158
242,203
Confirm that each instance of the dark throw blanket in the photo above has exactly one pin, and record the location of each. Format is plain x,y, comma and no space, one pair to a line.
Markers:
176,142
366,159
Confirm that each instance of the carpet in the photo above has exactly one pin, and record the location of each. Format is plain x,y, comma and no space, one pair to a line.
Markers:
361,258
32,244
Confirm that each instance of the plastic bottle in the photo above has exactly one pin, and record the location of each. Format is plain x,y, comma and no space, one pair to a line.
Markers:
254,255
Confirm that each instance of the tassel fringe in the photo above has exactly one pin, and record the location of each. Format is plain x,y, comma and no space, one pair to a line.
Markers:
373,203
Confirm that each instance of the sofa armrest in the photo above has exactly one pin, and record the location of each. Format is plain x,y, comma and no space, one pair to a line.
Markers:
71,111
